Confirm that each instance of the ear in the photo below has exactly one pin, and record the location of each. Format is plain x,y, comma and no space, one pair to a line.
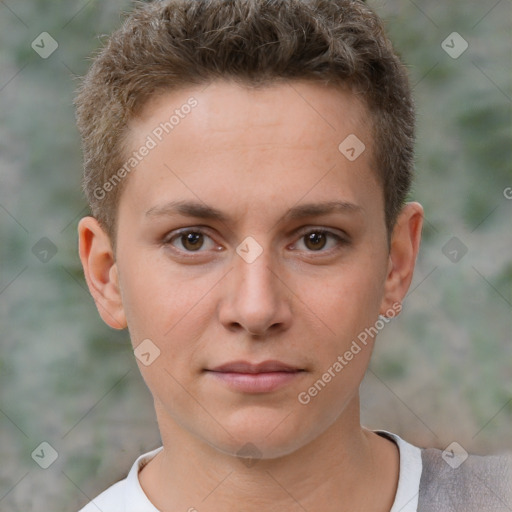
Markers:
404,246
100,270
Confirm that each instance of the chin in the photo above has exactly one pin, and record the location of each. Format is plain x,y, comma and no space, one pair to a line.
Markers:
262,434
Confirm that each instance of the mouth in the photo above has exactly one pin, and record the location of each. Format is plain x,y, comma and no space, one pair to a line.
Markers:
263,377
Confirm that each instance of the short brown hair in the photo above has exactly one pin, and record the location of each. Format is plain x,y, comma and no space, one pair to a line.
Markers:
171,44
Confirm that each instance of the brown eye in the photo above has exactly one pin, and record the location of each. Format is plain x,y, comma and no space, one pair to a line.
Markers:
192,241
321,241
315,240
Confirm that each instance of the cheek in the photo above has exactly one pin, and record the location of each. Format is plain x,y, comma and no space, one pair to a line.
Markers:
347,301
158,298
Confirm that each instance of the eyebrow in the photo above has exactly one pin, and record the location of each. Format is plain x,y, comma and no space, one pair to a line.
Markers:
203,211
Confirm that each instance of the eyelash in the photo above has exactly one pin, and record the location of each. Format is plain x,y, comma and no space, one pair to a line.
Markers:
341,241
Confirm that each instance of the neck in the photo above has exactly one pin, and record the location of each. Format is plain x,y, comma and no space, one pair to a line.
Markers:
334,472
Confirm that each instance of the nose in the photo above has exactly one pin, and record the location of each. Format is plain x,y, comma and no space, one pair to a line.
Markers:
255,296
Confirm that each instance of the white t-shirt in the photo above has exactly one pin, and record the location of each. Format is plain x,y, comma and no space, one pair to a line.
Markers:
128,496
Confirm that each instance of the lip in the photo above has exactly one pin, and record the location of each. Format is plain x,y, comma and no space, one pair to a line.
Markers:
263,377
254,368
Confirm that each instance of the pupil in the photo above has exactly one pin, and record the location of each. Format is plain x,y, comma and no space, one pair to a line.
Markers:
315,238
192,239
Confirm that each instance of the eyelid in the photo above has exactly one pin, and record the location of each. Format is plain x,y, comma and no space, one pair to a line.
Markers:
175,233
328,231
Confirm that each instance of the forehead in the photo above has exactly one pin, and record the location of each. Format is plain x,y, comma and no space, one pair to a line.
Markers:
301,108
281,140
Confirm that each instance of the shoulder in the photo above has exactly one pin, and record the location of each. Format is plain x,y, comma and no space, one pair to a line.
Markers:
126,495
111,499
450,480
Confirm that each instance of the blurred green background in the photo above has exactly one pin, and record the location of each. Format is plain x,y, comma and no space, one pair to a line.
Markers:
441,372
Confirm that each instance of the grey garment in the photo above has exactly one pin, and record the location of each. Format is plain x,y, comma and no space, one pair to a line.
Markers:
479,484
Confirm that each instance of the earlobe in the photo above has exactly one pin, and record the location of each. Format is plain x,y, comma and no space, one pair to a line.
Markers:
405,243
100,270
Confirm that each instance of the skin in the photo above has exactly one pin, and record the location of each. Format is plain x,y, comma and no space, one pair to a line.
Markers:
254,155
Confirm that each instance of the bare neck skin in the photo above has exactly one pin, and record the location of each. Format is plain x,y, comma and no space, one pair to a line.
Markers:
347,468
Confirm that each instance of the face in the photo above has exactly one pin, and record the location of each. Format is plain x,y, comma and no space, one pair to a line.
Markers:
252,253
